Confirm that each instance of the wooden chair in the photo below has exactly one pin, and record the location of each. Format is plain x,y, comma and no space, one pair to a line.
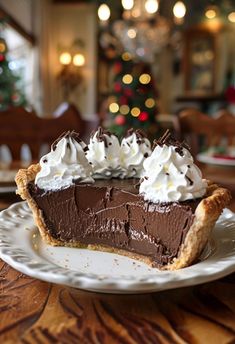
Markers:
195,125
18,127
202,131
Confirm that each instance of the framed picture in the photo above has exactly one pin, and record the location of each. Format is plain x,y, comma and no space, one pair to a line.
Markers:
200,61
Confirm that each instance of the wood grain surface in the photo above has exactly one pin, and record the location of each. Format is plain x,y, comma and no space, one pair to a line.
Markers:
36,312
32,311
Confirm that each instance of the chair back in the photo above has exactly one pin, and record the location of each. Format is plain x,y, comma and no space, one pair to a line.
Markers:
205,132
19,126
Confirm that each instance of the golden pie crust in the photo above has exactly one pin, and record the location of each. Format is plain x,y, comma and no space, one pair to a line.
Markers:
206,214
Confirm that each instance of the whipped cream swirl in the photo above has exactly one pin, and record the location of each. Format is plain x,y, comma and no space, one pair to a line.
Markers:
104,155
65,164
170,174
135,148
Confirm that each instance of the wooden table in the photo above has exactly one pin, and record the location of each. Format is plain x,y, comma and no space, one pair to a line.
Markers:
32,311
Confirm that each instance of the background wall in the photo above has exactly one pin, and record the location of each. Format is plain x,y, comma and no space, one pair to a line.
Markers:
60,26
54,26
21,10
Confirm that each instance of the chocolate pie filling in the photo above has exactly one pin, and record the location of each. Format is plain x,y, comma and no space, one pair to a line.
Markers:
112,213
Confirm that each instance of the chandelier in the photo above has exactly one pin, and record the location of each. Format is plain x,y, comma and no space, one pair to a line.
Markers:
142,31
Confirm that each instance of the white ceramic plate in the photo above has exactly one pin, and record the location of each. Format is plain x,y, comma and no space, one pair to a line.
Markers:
22,248
207,159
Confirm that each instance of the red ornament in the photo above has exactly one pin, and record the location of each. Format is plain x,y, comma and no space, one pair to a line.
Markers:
141,90
123,100
15,97
117,87
117,67
143,116
230,94
2,57
120,120
128,92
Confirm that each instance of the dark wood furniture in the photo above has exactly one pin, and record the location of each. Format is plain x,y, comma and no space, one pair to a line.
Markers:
18,126
198,129
195,125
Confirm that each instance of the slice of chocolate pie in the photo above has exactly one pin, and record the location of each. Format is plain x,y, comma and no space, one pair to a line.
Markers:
93,197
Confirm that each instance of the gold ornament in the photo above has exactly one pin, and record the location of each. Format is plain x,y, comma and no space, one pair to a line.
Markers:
2,47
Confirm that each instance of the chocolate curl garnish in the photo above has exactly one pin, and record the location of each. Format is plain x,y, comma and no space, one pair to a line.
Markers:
140,134
66,134
168,140
101,135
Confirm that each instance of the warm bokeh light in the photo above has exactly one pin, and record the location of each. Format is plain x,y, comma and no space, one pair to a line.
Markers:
131,33
124,109
78,60
126,56
151,6
113,107
127,4
231,17
179,9
127,79
144,79
135,111
112,99
135,12
103,12
149,103
210,14
2,47
65,58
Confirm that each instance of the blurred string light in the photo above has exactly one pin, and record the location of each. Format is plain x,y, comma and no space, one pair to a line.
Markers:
131,33
151,6
103,12
136,12
2,47
124,109
127,4
149,103
126,56
127,79
113,107
231,17
144,79
135,111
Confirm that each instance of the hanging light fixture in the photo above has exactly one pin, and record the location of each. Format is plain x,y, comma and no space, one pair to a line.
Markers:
151,6
211,12
231,17
103,12
79,60
65,58
127,4
179,11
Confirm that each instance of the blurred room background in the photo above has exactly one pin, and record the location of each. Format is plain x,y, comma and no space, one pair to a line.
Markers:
122,63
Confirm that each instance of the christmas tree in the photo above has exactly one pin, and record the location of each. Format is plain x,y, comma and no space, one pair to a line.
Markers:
132,103
10,95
